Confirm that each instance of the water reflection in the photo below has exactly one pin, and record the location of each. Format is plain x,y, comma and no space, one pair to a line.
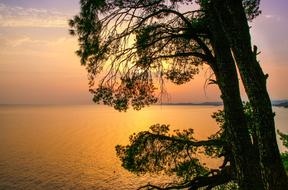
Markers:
72,147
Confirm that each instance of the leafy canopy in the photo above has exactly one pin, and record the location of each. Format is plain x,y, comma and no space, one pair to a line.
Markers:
136,45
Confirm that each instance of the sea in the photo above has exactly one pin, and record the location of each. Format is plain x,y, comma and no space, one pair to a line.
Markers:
60,147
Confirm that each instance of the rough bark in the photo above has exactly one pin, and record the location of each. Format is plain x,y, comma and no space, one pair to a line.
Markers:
236,29
246,162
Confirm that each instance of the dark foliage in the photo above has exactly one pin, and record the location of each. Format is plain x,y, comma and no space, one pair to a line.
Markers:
138,44
176,153
160,151
284,155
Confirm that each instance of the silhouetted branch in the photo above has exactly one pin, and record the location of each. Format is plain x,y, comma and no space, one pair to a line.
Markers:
185,54
209,181
224,175
151,187
212,142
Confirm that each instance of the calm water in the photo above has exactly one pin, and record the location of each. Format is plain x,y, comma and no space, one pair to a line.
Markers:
72,147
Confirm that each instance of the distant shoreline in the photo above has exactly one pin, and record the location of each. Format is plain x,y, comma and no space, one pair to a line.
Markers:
276,103
192,104
284,105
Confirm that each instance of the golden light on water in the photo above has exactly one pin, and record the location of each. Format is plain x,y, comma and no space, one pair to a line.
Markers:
62,147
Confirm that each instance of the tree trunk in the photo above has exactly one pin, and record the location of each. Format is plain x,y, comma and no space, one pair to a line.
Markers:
236,29
246,162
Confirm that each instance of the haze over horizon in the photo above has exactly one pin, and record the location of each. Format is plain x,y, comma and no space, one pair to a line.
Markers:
38,64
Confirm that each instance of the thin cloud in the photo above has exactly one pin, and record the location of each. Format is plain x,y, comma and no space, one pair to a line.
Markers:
15,16
29,46
272,17
269,16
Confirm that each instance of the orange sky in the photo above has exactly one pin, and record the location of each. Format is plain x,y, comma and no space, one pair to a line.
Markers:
38,64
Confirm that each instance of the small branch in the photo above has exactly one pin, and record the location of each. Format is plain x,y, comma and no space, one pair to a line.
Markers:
214,142
185,54
150,186
223,176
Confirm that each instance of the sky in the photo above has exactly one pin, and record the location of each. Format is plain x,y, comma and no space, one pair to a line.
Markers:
38,64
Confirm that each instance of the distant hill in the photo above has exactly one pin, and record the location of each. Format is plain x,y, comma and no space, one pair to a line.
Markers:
193,103
277,103
282,104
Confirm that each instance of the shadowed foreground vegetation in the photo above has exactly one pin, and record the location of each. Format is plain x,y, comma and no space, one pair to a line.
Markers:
284,156
176,153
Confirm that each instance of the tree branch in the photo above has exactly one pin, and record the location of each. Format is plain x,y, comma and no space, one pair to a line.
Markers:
224,176
215,142
185,54
188,23
209,181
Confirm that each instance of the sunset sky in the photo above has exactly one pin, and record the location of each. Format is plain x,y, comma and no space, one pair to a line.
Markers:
38,64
